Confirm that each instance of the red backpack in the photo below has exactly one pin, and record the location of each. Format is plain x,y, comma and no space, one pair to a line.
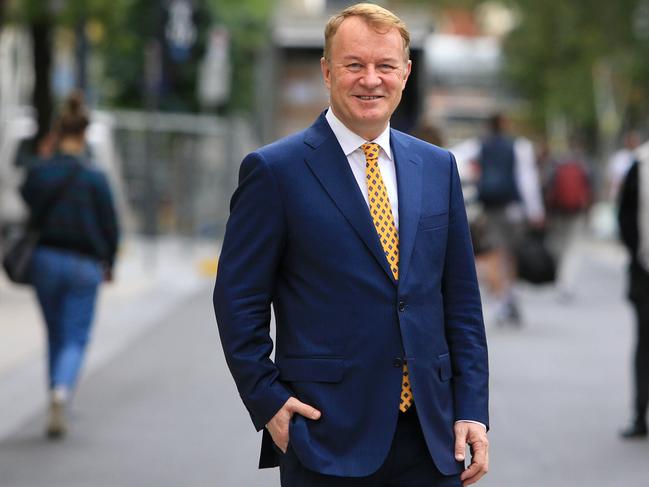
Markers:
570,190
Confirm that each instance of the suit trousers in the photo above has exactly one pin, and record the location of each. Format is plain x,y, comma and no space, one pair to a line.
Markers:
408,464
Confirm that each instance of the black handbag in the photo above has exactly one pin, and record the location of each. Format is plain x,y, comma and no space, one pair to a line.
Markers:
17,259
535,263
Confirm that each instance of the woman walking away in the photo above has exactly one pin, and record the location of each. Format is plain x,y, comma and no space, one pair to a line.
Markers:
76,251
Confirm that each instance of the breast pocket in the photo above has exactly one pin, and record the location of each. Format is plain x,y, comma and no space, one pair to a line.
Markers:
433,222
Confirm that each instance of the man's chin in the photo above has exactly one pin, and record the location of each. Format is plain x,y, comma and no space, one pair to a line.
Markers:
373,119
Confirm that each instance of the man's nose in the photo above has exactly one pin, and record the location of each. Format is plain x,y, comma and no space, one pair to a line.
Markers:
371,78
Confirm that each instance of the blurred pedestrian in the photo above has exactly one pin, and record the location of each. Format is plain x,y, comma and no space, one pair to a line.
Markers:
568,196
620,162
76,251
376,300
633,218
509,190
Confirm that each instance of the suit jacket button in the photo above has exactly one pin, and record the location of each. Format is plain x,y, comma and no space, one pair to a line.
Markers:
397,362
402,306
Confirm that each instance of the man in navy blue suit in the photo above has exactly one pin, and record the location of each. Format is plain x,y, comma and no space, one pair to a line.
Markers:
357,236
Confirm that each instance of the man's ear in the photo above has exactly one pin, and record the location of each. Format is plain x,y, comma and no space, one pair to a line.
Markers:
326,72
407,74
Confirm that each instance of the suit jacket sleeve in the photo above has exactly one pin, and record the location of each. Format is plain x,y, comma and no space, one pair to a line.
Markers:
463,314
248,267
628,211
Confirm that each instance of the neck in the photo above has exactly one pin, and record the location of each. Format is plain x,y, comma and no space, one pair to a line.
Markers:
71,146
368,133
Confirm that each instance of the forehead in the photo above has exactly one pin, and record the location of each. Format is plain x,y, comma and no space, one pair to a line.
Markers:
355,37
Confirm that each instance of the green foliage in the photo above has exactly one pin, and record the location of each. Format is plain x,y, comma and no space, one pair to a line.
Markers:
129,25
552,55
136,22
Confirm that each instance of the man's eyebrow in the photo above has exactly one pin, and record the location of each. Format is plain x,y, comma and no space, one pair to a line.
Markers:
351,58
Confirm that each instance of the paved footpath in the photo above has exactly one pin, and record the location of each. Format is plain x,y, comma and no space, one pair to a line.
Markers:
162,409
560,387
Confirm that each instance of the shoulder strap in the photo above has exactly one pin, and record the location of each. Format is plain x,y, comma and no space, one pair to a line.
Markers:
38,218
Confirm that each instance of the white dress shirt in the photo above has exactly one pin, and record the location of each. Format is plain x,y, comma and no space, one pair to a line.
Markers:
351,145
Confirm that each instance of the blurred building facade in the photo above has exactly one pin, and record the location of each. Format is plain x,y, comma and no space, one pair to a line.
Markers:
455,83
175,171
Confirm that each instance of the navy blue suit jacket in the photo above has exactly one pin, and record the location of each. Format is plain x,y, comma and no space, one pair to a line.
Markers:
300,238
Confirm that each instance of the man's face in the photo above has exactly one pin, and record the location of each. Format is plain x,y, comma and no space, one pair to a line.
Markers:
365,76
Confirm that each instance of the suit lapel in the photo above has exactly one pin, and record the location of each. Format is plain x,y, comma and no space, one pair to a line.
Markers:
329,165
409,183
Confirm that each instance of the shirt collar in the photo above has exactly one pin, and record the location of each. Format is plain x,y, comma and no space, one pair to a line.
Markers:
349,141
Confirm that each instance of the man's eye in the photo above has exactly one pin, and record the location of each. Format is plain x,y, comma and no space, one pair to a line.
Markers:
354,66
387,68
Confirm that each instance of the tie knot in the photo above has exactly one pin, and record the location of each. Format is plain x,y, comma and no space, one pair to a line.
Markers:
371,151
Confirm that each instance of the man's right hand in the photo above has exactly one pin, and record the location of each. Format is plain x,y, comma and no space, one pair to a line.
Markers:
278,426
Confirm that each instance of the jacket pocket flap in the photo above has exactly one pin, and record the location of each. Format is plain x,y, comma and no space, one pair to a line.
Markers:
445,369
433,221
311,369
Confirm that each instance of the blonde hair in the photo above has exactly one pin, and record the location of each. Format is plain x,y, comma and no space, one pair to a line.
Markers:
378,17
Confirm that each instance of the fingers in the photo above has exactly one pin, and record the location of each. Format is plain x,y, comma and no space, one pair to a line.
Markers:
296,406
278,425
479,466
461,431
282,443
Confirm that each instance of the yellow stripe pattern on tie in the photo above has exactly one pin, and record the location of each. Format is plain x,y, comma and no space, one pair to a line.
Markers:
381,212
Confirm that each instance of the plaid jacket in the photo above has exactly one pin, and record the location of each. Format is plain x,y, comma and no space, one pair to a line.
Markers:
83,220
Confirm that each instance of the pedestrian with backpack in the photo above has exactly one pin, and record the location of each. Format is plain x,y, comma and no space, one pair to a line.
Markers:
509,191
568,197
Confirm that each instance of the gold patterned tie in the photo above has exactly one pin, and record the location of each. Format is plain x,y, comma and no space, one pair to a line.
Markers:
381,212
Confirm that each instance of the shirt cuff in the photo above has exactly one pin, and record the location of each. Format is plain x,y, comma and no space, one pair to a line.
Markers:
470,421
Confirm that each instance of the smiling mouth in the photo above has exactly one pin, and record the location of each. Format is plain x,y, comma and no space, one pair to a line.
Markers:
368,98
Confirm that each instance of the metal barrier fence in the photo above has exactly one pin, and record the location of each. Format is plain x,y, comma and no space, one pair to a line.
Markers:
178,170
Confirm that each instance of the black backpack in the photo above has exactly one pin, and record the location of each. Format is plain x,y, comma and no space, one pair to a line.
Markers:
497,184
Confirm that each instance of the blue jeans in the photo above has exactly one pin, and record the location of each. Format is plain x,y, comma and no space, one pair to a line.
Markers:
66,285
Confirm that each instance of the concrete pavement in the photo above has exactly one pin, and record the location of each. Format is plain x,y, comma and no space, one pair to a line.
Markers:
163,413
560,387
151,278
162,409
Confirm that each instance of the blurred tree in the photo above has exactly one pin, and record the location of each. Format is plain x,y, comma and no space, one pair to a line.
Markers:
124,31
580,63
42,18
247,21
39,21
134,31
141,21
